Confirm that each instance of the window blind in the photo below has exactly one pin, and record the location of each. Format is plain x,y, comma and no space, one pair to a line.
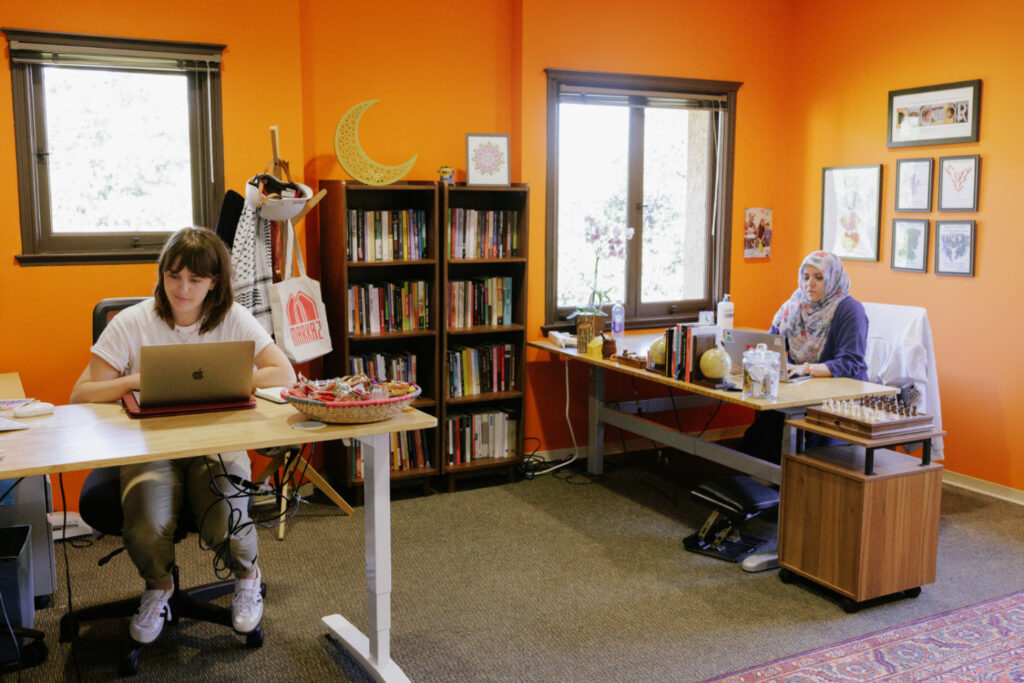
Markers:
578,94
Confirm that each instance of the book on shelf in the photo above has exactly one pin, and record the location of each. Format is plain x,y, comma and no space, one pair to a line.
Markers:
475,234
400,365
389,307
390,235
482,368
408,451
481,433
700,339
479,301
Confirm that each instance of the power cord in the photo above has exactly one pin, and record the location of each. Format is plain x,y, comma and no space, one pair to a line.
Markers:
530,474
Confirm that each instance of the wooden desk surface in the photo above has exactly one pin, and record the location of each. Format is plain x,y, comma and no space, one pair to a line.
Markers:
89,435
791,395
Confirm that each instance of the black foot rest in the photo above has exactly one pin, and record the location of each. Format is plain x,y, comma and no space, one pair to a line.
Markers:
736,496
733,500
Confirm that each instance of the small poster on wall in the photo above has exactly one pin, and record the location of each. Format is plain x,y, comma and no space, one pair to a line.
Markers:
757,233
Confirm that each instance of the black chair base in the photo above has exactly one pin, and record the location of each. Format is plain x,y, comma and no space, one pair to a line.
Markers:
190,603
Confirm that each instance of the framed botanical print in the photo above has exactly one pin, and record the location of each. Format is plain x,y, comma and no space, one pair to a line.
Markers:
851,205
914,185
954,248
909,244
487,161
958,183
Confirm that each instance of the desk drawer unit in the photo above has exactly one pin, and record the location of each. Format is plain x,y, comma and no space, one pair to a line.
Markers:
862,536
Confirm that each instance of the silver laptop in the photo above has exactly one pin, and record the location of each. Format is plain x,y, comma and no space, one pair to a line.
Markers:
183,374
735,342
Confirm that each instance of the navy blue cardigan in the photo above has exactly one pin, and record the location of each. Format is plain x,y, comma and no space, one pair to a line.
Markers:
846,342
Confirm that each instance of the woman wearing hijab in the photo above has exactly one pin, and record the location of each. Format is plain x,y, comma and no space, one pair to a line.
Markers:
826,330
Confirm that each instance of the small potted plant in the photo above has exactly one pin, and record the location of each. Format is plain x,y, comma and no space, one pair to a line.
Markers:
607,242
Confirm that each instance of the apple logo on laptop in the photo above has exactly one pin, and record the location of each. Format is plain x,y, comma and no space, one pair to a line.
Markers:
197,374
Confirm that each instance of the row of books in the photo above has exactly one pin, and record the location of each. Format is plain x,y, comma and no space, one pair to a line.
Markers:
480,301
685,343
409,451
386,235
481,369
400,365
478,434
388,307
474,234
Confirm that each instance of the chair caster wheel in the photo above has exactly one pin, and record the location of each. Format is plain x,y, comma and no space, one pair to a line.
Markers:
33,654
786,576
129,665
254,638
68,629
912,592
849,606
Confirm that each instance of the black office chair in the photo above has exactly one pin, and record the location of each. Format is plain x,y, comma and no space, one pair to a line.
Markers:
100,507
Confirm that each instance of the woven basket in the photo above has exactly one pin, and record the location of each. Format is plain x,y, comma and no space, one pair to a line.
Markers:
351,412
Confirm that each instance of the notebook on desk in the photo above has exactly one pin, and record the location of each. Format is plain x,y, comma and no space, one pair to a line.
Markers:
192,378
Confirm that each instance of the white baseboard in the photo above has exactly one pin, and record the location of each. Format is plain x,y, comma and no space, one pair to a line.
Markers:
983,487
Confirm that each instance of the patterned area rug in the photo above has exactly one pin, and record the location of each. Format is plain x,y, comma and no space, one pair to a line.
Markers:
983,642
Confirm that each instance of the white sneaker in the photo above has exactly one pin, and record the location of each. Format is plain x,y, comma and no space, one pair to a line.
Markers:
154,611
247,604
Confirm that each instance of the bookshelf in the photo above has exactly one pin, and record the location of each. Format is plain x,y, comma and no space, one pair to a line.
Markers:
483,328
379,254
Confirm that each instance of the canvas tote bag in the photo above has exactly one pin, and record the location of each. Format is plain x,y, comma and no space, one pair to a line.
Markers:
297,310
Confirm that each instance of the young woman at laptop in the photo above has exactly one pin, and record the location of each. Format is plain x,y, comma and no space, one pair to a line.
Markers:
826,331
192,303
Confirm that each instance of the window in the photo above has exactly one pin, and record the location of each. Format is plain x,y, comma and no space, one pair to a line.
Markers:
118,144
650,153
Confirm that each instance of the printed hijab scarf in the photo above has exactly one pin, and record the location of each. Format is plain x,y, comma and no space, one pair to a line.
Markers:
806,323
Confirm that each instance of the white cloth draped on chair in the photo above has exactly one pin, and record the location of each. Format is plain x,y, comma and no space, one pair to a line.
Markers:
900,345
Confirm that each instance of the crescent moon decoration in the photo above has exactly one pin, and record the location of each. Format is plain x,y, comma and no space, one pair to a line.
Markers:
352,157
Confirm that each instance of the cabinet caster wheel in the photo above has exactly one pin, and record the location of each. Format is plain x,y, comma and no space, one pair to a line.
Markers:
786,576
43,601
254,638
912,592
849,606
33,654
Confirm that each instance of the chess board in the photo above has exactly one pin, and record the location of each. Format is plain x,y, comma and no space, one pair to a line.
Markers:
868,418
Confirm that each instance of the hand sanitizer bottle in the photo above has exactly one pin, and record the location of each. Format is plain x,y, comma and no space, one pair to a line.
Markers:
618,321
725,313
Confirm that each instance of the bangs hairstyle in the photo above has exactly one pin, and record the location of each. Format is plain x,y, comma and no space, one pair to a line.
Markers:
205,255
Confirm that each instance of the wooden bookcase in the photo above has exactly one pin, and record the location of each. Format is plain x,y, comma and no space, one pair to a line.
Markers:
504,260
341,270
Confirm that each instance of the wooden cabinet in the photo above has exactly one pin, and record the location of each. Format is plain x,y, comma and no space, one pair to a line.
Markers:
379,255
483,338
862,536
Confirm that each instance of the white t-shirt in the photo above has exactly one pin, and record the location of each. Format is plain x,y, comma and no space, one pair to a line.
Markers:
138,326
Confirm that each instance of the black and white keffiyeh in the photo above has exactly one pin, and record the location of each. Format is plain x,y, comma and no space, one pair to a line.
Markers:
251,266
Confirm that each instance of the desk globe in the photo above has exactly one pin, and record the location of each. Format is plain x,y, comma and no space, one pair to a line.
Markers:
715,363
657,351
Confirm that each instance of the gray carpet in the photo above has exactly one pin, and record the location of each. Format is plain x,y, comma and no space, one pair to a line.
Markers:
543,580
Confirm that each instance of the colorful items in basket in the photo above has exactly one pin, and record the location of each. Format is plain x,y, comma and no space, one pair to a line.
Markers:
351,399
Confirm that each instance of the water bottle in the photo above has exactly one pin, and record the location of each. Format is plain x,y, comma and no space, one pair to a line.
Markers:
618,321
725,313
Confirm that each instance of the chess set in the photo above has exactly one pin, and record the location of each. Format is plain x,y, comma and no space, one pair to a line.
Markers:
870,417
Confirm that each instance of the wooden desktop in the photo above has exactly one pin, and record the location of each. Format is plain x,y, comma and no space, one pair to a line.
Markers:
86,436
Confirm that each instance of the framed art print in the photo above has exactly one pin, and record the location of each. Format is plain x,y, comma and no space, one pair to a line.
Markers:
958,183
851,199
909,244
757,232
935,114
954,248
914,185
487,159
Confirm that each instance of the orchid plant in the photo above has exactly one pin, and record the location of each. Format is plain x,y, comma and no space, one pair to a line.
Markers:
607,242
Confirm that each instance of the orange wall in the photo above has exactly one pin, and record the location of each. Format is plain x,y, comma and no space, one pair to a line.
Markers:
815,82
850,56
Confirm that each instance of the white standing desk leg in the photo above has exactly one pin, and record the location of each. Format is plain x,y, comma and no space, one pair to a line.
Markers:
595,428
374,652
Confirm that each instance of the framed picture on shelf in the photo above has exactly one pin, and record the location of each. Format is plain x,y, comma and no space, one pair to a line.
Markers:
851,205
954,248
487,159
914,185
909,245
958,183
935,114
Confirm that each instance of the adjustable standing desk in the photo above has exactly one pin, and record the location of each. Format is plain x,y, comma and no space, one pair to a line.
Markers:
92,435
793,399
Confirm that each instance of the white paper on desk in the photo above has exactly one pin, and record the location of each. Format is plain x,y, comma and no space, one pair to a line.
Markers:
271,394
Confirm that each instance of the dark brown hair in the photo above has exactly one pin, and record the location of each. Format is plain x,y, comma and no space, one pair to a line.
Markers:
205,255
